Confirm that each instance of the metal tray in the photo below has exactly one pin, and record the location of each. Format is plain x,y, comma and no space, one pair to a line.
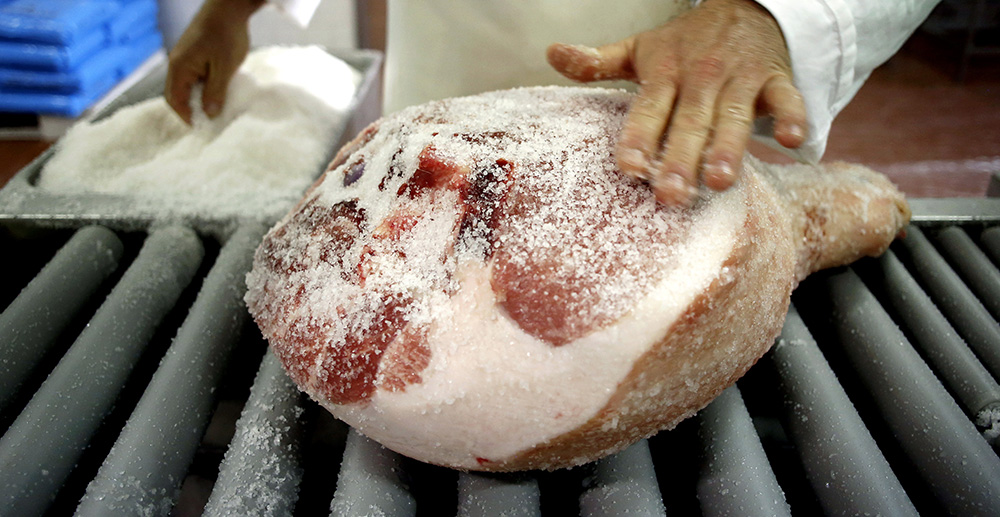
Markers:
23,203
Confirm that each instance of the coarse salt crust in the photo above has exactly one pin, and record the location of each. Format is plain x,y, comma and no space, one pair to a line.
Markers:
560,141
253,160
484,364
473,283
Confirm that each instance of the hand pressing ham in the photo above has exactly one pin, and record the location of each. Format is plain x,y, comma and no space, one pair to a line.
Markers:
473,283
704,77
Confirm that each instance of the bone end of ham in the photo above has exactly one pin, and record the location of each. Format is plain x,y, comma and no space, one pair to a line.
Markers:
474,284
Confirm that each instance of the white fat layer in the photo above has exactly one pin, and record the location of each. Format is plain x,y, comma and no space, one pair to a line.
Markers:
472,403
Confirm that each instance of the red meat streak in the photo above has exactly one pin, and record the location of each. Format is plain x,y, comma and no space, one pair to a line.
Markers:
391,353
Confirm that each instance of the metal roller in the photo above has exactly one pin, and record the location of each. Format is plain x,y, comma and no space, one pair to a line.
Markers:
623,484
31,323
990,240
962,308
949,454
261,472
369,482
145,467
845,467
736,478
932,334
41,447
486,495
979,273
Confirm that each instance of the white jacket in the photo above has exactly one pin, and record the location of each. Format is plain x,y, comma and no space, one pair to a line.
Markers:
834,46
446,48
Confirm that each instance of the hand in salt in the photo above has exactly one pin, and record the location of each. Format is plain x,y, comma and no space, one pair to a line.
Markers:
210,51
703,77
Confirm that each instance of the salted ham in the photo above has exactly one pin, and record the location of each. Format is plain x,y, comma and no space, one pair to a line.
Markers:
474,284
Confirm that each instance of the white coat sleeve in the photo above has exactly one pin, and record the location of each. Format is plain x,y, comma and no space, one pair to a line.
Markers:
299,10
834,46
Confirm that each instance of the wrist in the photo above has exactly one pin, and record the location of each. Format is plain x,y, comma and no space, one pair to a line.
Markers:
751,5
751,12
234,10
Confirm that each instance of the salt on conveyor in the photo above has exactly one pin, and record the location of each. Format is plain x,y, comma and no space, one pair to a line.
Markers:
272,138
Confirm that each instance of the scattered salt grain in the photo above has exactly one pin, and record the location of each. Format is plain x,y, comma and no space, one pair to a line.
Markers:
253,160
989,421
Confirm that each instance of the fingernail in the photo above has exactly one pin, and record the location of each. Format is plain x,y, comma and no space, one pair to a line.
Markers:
212,109
635,160
719,174
673,189
795,130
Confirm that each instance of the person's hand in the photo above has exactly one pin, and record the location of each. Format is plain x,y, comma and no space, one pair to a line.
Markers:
209,52
704,76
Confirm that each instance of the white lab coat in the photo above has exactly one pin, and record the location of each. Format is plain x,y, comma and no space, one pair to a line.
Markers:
835,45
445,48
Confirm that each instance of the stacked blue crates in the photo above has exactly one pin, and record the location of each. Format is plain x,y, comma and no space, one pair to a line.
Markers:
57,57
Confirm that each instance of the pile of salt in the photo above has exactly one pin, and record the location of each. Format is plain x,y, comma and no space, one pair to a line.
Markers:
283,109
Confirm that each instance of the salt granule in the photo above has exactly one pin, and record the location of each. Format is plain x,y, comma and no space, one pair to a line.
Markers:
989,421
253,160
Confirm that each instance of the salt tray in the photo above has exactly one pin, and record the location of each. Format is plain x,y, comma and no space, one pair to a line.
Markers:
23,204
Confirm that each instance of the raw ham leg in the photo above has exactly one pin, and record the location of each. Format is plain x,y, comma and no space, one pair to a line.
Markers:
474,284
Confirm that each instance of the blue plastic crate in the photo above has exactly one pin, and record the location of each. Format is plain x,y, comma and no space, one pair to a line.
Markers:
116,61
51,57
91,72
71,94
130,21
60,22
